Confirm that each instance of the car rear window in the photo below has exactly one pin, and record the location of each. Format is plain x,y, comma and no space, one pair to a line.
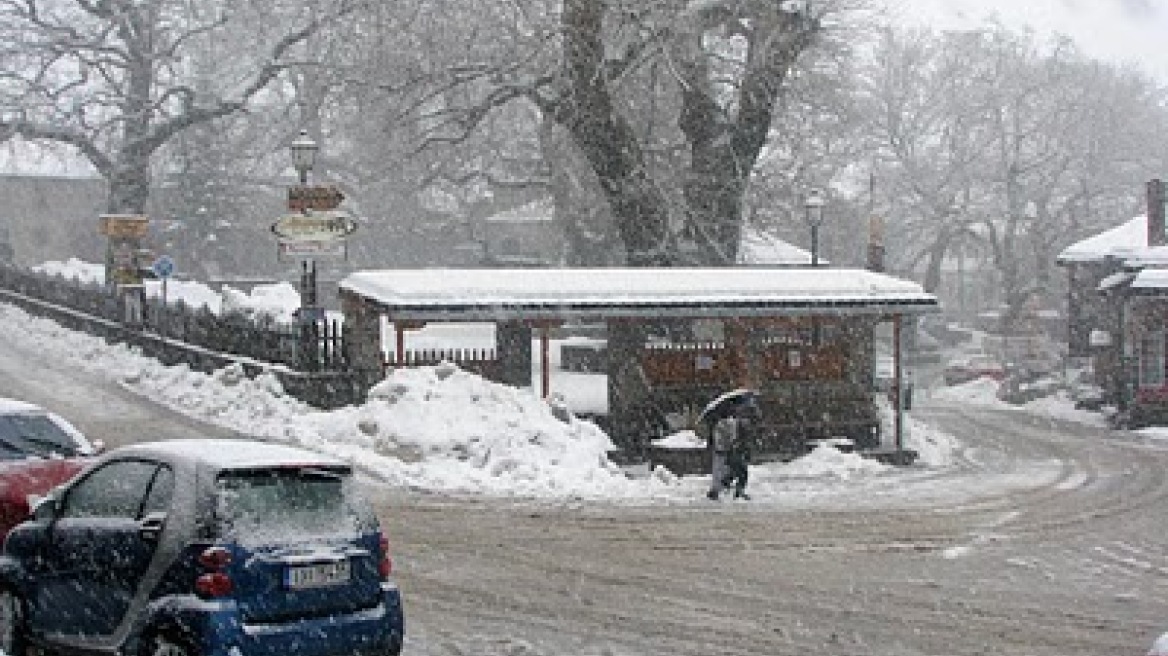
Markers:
23,435
288,503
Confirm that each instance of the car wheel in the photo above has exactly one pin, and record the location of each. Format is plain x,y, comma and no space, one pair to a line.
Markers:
11,623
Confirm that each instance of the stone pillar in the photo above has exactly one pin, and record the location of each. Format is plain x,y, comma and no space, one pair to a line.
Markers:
513,348
362,339
632,418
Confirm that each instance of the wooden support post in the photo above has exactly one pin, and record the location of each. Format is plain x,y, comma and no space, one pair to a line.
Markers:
736,347
544,364
399,343
898,405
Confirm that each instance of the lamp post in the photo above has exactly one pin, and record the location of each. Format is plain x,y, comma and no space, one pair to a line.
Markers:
304,155
813,207
304,151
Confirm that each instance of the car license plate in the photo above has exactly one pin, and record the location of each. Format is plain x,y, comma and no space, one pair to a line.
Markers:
317,575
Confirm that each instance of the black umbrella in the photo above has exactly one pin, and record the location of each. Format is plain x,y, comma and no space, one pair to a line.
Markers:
727,404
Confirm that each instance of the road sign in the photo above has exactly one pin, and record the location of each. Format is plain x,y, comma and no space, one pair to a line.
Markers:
314,198
311,248
124,226
163,267
314,226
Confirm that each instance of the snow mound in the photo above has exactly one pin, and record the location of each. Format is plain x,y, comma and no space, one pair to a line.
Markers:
276,300
983,391
74,268
458,431
826,460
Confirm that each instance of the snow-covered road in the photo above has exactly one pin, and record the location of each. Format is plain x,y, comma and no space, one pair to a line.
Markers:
1072,562
1023,535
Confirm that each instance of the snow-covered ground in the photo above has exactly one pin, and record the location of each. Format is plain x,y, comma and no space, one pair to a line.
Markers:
443,429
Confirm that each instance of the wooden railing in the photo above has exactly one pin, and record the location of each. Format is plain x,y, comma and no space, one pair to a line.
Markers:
484,362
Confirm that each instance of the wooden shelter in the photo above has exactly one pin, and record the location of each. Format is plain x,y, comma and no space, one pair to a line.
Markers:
677,337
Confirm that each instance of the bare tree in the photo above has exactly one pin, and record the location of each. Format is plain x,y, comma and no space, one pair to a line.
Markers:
112,78
988,141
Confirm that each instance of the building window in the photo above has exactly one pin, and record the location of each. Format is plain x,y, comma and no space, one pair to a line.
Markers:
1152,359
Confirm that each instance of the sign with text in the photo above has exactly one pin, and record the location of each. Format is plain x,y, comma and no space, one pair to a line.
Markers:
314,226
321,198
124,226
311,248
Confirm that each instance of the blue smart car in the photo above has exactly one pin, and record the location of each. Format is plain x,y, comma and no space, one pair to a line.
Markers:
202,547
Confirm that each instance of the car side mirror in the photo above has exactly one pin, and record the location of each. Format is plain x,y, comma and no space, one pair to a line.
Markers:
98,447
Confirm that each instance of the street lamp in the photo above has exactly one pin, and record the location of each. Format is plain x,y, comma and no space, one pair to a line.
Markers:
304,155
813,206
304,151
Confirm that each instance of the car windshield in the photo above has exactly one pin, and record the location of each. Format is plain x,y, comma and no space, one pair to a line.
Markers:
287,503
24,435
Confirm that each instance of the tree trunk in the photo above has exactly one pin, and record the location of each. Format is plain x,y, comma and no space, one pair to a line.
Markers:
129,186
608,141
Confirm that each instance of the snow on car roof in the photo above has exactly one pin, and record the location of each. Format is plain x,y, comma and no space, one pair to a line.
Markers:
234,454
13,406
628,291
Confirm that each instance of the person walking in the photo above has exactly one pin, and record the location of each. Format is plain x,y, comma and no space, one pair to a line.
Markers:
731,438
737,462
722,437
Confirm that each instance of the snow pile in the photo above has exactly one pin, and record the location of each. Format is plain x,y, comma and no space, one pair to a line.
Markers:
74,268
683,439
826,460
1058,405
478,435
192,294
934,448
982,391
277,300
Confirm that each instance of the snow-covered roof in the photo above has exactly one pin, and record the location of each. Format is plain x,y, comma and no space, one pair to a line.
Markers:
1151,279
1123,241
1151,256
234,454
497,294
1115,280
760,248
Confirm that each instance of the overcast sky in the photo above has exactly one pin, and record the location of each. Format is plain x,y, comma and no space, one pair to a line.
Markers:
1123,31
1128,31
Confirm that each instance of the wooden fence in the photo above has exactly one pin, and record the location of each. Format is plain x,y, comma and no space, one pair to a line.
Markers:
308,359
306,346
483,362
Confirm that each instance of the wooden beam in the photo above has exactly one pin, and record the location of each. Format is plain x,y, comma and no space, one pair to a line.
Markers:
898,406
545,373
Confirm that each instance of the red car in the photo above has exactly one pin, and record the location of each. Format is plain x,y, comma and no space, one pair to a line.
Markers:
38,451
964,370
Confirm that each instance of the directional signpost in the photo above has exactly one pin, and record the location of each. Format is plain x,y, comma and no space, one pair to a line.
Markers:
320,198
163,269
315,227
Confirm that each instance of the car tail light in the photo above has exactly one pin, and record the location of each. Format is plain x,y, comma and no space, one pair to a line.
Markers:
385,567
215,558
216,582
